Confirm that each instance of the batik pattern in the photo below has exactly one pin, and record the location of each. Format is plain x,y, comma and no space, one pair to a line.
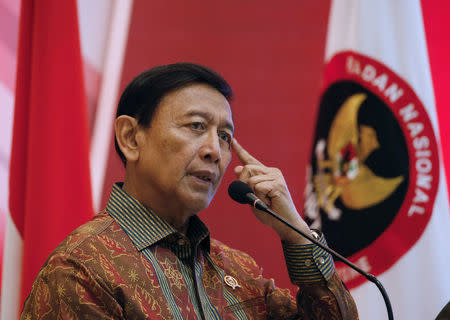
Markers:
105,271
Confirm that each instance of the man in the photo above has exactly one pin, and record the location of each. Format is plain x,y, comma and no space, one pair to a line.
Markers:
148,255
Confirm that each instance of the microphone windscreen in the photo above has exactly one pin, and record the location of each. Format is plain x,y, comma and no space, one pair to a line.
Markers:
238,191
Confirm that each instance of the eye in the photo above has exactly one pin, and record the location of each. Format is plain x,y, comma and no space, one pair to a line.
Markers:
197,126
225,136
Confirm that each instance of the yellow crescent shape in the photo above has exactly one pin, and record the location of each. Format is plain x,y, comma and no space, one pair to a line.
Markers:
367,189
344,128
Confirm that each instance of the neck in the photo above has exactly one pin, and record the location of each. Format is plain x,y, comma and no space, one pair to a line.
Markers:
179,219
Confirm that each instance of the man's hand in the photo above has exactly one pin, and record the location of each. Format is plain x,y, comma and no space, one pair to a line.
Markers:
269,185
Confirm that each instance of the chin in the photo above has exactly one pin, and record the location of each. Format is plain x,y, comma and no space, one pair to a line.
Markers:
194,201
198,204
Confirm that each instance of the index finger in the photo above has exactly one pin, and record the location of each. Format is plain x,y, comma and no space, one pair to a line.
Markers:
243,155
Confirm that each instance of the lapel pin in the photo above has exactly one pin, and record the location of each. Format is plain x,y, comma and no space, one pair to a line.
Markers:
231,282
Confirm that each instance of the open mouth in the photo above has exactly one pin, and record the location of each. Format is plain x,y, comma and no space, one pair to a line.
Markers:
204,176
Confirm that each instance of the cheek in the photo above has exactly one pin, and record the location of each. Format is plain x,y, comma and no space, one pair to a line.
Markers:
171,148
178,153
226,158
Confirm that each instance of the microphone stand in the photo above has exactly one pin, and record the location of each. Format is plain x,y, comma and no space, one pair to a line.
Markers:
258,204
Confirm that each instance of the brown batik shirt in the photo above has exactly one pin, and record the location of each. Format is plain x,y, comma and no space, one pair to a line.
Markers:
127,263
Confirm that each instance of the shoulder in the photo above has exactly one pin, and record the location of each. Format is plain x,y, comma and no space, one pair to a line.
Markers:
91,231
76,272
99,238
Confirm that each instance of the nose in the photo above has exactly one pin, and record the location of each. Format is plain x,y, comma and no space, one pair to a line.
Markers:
210,149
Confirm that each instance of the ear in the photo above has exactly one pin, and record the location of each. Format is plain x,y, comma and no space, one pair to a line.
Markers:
126,129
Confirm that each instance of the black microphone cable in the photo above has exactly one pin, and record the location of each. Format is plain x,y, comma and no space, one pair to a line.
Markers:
242,193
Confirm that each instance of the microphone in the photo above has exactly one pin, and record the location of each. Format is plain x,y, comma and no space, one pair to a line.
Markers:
242,193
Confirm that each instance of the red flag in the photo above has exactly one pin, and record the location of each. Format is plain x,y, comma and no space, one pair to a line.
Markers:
50,192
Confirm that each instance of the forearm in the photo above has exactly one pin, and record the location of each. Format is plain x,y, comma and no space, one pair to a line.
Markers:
322,295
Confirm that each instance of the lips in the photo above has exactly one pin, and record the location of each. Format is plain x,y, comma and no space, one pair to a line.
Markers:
204,175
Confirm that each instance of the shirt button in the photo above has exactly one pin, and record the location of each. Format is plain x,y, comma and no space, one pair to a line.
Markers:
181,242
321,260
308,262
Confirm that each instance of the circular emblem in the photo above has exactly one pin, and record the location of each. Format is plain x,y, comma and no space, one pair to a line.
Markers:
374,170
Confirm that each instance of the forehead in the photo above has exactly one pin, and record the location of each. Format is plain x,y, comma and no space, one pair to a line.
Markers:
196,100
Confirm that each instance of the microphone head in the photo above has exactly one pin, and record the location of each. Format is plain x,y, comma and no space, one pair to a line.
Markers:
238,191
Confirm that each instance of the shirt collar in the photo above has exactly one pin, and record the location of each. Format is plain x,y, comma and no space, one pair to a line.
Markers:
146,228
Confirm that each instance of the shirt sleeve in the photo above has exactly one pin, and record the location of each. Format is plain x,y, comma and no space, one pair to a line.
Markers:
65,289
322,294
308,263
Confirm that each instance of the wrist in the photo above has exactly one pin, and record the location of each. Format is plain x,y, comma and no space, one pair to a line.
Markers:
290,236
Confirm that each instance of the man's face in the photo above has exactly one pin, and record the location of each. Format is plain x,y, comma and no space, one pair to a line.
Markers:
186,149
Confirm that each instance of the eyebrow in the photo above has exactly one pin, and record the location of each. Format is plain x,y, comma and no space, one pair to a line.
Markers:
206,115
